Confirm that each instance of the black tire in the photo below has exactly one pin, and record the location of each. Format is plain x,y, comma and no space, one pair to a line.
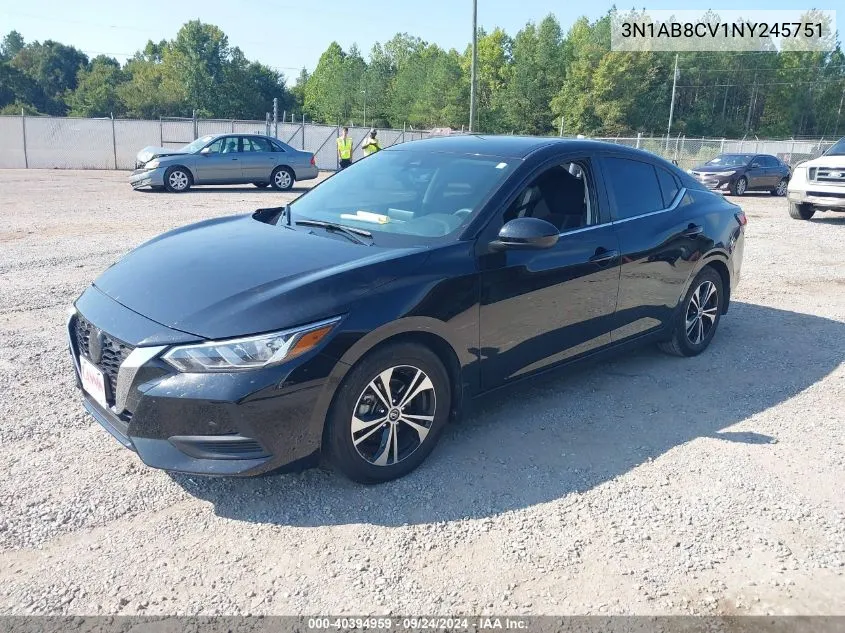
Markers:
261,185
172,181
738,189
356,399
279,182
682,342
801,211
780,190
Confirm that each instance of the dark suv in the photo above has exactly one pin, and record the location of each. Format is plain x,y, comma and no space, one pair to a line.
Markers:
738,173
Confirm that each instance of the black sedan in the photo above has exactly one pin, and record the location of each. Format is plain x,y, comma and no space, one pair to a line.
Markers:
357,321
738,173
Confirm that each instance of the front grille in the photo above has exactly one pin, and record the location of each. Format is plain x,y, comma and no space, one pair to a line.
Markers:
827,175
114,352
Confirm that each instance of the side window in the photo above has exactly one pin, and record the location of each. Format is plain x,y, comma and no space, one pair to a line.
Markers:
769,161
278,146
634,186
217,146
669,186
230,145
256,144
563,195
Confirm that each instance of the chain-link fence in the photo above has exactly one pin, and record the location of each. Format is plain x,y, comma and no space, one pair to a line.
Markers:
75,143
689,152
72,143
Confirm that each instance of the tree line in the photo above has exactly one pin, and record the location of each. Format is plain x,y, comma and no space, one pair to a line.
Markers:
538,81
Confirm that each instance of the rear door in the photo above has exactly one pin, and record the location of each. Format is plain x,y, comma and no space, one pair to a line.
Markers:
257,159
661,236
221,164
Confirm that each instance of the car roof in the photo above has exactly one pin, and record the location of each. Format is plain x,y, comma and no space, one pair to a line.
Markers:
508,146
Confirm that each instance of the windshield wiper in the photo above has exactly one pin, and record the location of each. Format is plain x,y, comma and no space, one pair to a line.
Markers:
350,232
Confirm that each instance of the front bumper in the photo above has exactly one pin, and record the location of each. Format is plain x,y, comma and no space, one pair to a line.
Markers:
714,181
828,197
147,178
240,423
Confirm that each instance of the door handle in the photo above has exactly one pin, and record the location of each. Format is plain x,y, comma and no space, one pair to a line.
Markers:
603,256
692,230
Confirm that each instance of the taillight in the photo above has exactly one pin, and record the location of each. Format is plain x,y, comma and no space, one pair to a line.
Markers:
740,217
312,160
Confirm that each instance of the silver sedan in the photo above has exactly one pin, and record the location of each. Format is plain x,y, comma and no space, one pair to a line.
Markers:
223,159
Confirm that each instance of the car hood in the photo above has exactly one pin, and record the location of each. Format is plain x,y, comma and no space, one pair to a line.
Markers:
835,162
235,276
715,169
148,153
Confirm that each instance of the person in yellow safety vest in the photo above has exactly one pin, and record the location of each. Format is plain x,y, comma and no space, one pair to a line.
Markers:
370,144
344,149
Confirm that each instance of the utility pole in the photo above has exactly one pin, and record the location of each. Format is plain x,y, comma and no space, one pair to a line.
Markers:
838,113
365,106
473,70
672,104
276,117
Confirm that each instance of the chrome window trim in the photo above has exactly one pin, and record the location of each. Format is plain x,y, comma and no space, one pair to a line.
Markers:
675,203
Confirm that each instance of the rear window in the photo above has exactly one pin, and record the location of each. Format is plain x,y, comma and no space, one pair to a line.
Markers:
634,186
669,186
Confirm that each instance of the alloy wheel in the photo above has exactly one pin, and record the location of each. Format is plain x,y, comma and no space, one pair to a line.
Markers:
283,180
740,186
781,190
701,313
393,415
178,180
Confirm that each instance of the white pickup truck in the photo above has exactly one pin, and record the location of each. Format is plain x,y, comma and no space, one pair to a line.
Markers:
818,184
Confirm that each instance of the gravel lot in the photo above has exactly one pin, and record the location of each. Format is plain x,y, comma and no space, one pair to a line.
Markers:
648,484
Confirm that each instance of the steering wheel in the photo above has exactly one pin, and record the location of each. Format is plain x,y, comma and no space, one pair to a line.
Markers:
462,213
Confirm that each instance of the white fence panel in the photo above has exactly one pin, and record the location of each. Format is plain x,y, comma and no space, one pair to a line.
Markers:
53,143
11,142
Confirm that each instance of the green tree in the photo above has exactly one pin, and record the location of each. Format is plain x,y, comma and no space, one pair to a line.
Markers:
54,67
494,55
11,45
18,90
96,93
326,97
198,57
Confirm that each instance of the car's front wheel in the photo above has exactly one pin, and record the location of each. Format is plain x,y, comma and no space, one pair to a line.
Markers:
282,179
388,413
177,179
739,186
696,321
780,190
801,211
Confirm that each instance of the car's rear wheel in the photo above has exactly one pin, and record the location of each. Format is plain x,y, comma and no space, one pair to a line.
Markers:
739,186
261,185
801,211
388,413
177,179
282,179
695,323
780,190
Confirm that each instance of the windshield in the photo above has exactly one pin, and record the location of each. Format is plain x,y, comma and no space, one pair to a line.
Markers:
837,149
197,145
406,192
730,160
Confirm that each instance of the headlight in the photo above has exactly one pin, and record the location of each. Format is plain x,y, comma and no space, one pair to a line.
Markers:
689,171
252,352
153,164
727,173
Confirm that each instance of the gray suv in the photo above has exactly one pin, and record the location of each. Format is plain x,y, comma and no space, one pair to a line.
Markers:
223,159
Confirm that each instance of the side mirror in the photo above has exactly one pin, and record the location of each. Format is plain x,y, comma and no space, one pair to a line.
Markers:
526,233
205,151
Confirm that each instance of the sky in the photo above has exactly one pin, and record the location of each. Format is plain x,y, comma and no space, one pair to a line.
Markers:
289,35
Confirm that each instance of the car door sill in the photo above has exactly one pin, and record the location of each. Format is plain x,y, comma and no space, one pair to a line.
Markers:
603,353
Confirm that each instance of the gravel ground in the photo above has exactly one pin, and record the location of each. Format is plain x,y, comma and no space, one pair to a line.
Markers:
643,485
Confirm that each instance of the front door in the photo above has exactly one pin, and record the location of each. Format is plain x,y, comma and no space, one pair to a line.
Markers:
757,175
221,164
541,307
